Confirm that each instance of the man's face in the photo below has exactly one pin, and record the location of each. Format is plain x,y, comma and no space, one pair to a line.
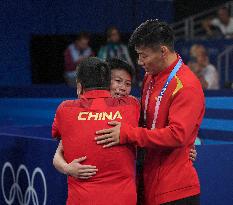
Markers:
82,44
202,61
150,59
120,83
223,16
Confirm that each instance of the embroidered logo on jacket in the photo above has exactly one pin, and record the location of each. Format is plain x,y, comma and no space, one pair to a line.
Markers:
99,116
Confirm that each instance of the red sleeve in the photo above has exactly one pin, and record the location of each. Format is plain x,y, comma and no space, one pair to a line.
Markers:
185,114
55,126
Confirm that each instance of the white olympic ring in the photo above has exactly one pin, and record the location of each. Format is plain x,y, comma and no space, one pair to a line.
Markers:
16,189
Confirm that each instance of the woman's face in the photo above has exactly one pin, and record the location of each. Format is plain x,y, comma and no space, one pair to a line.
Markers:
120,83
115,36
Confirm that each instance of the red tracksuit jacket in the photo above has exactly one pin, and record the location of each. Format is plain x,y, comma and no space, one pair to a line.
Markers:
169,174
76,122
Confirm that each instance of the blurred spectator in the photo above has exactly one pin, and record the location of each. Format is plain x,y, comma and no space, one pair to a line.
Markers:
114,47
74,54
223,23
193,56
200,65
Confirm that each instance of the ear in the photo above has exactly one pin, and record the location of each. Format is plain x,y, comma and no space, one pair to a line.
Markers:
164,51
79,89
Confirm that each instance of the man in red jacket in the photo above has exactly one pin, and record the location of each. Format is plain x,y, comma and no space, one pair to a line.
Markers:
173,107
76,122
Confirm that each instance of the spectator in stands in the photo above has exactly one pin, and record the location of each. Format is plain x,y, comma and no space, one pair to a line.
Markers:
74,54
114,47
223,22
201,66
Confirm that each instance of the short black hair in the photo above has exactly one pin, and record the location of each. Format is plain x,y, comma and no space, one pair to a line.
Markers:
119,64
152,33
93,73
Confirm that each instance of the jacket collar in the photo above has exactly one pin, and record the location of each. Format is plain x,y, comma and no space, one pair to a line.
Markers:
96,94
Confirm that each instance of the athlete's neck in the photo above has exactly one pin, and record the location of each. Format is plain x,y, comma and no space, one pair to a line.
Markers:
171,58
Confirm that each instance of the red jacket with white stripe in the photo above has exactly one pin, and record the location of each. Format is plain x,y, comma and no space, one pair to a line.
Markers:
169,174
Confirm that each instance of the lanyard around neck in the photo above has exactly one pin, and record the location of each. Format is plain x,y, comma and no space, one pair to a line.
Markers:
170,77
